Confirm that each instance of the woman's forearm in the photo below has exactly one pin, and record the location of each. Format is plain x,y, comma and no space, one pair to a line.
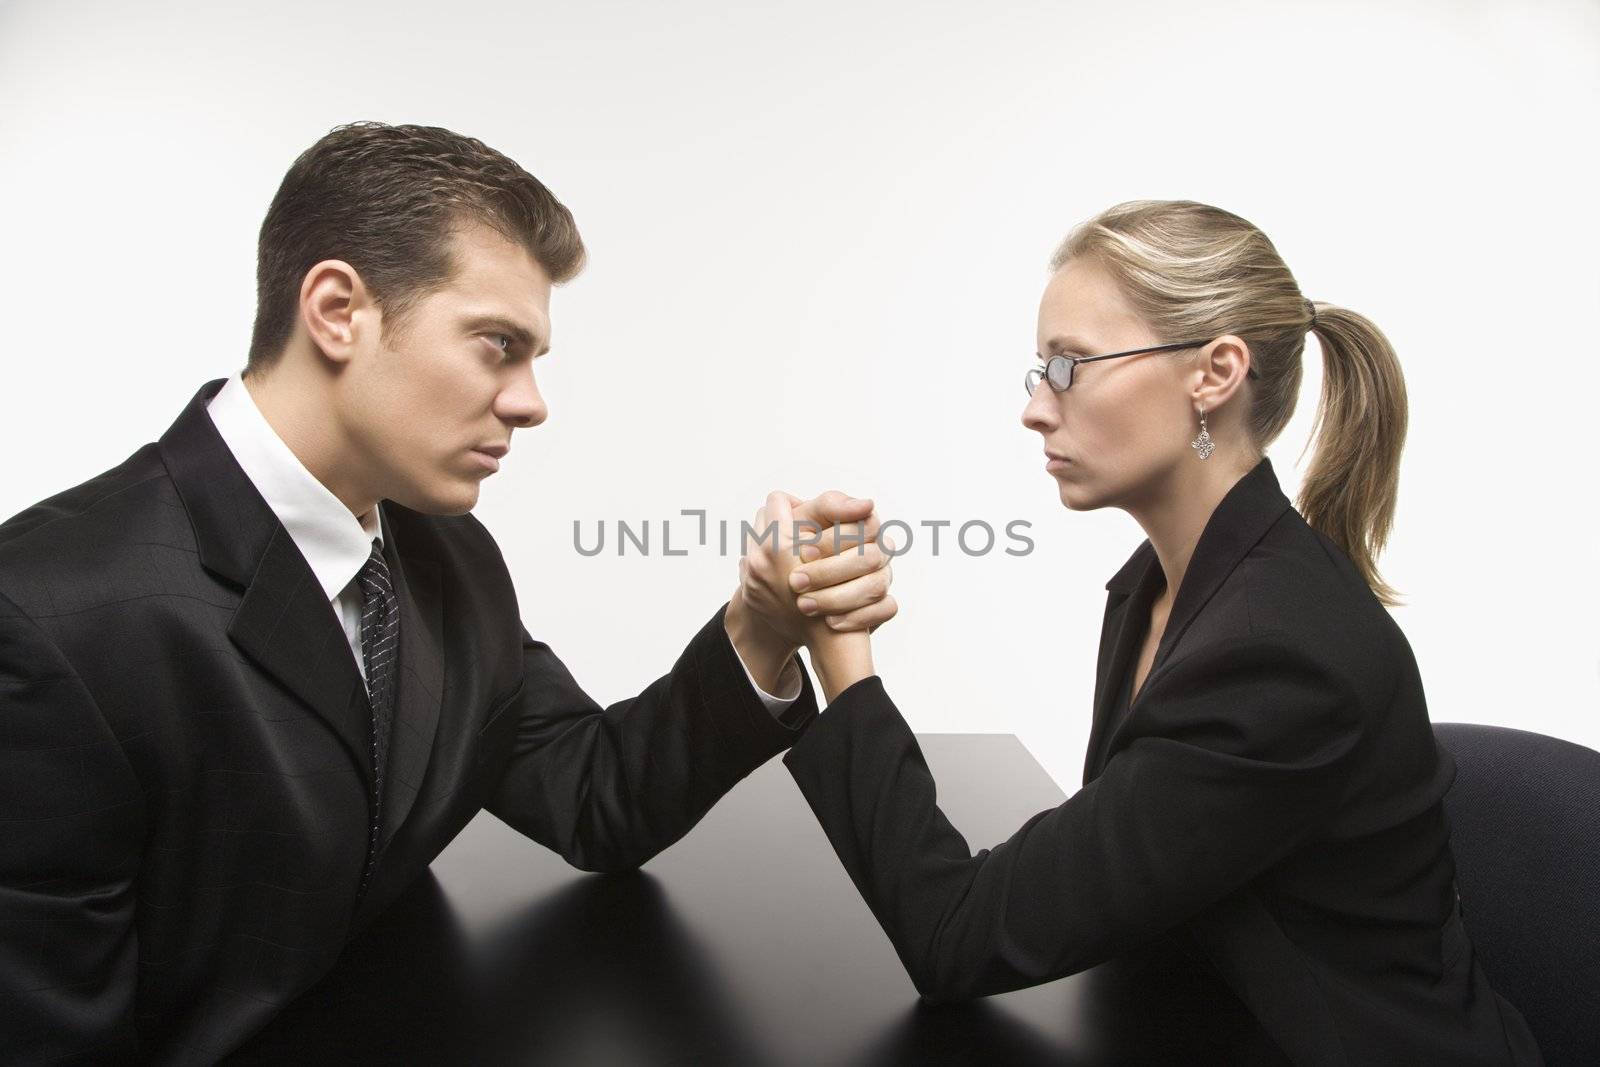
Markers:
839,660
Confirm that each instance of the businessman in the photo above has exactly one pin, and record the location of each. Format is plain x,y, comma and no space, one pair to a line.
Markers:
255,677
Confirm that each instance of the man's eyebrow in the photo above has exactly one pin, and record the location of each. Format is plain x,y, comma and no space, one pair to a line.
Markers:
518,332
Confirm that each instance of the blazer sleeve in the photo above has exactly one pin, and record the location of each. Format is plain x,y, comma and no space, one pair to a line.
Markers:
608,788
1242,752
72,825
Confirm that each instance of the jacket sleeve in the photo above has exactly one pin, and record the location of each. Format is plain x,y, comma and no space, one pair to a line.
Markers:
72,822
1240,753
608,788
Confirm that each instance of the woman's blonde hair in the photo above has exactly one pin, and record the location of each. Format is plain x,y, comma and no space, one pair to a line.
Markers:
1192,270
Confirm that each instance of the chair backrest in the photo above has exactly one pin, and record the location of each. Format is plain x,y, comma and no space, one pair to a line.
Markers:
1524,818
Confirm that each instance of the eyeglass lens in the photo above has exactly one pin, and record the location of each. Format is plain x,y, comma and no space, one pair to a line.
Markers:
1058,369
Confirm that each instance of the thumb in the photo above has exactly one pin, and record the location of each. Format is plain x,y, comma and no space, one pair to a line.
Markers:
781,511
834,507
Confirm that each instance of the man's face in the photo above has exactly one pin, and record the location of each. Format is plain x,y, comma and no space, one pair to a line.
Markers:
456,378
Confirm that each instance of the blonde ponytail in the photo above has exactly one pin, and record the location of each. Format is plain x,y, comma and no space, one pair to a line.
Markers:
1349,491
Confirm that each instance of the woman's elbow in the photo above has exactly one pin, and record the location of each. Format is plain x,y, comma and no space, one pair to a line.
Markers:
953,978
609,857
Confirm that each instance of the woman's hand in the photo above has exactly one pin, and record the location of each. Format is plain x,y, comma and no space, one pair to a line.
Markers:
819,578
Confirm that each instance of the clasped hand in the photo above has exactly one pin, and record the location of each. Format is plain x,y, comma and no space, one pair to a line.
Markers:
814,574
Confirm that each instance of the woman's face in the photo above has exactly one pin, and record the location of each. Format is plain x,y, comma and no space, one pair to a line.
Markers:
1116,435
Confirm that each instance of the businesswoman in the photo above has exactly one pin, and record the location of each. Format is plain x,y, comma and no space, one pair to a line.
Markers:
1261,776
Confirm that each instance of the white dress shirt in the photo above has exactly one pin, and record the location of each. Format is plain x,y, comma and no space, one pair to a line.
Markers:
333,541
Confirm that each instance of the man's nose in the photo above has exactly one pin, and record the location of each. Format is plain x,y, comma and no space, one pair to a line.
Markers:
521,403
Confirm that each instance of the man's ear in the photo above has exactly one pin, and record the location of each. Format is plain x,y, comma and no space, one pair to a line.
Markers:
332,297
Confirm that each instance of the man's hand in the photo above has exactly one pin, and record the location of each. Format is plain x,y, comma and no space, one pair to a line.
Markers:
817,577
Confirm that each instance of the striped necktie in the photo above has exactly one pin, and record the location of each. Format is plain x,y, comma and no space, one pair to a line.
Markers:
380,648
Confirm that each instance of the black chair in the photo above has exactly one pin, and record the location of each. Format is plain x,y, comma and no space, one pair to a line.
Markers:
1525,829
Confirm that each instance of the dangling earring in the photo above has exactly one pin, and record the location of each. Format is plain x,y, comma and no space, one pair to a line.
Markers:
1202,444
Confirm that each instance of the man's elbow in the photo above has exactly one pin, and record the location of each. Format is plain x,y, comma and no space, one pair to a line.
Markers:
938,985
939,993
605,864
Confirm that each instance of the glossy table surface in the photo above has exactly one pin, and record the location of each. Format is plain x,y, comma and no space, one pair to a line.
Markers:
744,943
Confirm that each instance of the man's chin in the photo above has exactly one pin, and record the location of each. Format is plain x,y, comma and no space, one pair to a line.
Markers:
461,500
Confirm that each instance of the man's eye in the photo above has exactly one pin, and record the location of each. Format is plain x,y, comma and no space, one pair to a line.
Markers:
500,337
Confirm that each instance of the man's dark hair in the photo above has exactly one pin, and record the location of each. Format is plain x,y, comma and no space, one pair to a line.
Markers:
385,199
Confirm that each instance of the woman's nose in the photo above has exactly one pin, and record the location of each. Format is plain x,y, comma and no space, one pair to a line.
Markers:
1043,410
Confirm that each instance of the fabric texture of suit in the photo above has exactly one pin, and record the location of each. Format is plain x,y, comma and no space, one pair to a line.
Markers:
1272,796
184,764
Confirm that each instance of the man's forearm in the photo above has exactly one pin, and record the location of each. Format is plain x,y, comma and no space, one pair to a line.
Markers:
765,654
609,787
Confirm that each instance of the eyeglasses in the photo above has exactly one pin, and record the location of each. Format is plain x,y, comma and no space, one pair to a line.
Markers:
1057,370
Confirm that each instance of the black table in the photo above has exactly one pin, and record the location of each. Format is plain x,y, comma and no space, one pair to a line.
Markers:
744,944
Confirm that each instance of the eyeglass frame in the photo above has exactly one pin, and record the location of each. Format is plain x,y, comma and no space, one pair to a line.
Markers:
1031,383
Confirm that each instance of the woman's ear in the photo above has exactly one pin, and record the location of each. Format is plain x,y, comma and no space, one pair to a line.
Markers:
1222,367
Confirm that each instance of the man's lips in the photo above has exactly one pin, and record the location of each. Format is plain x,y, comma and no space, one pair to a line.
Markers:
490,455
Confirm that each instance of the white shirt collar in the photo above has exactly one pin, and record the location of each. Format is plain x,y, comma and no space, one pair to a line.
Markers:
331,539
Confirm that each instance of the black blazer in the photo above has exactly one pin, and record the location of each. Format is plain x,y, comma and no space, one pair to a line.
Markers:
184,771
1273,794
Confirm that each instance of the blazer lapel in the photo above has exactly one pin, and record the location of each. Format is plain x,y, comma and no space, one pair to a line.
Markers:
1238,522
284,623
1119,640
421,681
1241,519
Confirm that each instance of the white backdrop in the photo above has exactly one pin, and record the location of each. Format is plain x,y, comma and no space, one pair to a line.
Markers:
818,235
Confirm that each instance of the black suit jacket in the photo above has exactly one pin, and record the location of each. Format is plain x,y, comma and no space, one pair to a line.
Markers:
1272,794
184,770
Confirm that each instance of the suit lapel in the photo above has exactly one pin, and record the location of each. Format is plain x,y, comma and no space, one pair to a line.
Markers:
286,625
284,622
420,682
1238,522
